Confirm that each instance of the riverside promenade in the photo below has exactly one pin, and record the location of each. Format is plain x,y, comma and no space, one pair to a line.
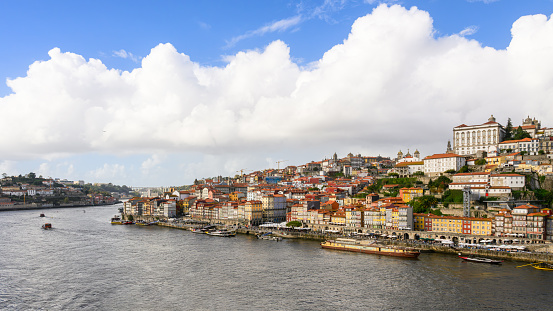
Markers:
423,246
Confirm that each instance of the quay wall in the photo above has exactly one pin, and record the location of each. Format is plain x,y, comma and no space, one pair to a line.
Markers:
423,247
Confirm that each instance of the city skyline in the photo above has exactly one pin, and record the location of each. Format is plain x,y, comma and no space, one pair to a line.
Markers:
160,95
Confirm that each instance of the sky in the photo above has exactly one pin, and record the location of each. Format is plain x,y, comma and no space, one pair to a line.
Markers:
159,93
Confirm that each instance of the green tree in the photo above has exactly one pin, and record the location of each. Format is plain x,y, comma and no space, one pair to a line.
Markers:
541,152
521,134
508,130
480,162
294,223
423,204
464,169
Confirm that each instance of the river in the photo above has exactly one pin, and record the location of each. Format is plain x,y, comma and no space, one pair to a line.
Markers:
86,263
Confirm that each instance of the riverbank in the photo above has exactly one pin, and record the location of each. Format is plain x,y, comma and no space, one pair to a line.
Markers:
423,247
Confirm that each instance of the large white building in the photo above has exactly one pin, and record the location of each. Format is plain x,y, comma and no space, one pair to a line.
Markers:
469,139
439,163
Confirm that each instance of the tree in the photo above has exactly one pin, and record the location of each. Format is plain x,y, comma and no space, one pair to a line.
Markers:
480,162
521,134
393,174
32,175
508,130
424,204
541,152
464,169
294,223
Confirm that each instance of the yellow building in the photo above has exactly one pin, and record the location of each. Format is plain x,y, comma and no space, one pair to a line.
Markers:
418,221
253,212
448,224
338,218
408,194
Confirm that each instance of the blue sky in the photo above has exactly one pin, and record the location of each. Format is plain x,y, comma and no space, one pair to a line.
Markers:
260,66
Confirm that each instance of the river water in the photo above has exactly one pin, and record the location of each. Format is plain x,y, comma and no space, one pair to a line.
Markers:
85,263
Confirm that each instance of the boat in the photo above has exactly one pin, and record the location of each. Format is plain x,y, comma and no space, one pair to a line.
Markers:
142,223
116,220
223,233
370,247
42,215
481,260
542,266
205,229
47,226
269,236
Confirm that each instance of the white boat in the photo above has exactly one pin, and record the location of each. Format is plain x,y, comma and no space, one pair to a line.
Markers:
481,260
223,233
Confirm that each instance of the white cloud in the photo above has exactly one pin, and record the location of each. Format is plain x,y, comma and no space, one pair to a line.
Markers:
390,83
483,1
126,55
8,167
469,31
151,163
277,26
108,172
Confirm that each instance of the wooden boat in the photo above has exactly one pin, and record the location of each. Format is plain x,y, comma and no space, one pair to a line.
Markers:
42,215
370,247
481,260
47,226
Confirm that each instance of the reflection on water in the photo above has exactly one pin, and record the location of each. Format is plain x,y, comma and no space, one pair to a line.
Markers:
87,263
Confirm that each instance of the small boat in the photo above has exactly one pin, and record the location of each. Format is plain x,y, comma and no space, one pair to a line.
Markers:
370,247
128,222
481,260
47,226
142,223
116,220
223,233
42,215
269,236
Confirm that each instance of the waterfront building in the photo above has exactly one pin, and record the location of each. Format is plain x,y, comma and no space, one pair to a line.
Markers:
373,219
354,216
253,213
274,208
455,224
169,208
470,139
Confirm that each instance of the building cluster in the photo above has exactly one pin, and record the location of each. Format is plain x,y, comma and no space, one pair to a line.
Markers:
325,195
47,190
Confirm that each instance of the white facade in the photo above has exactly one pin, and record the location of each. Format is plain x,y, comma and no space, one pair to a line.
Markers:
439,163
507,180
169,208
469,139
529,145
